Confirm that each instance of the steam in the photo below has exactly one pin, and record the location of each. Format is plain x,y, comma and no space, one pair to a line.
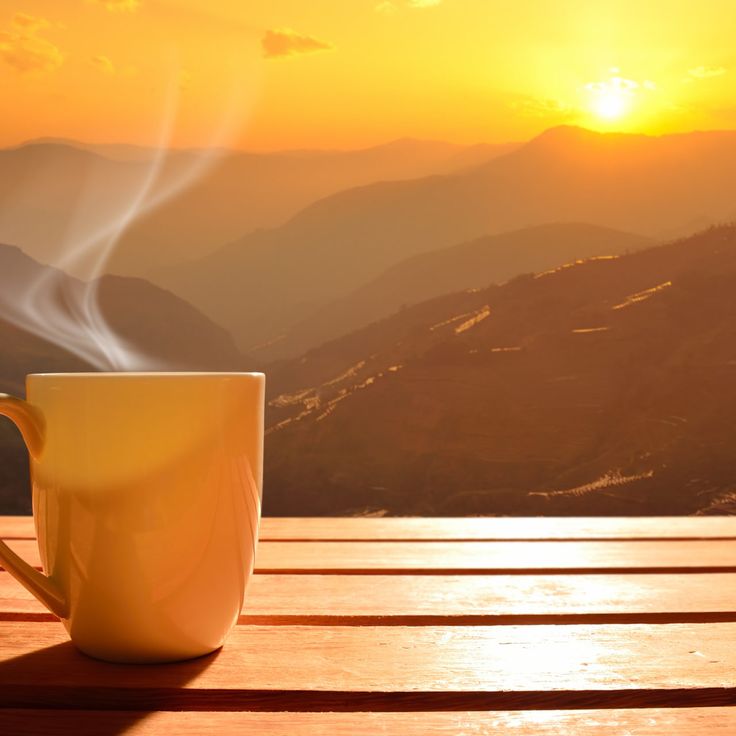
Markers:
66,311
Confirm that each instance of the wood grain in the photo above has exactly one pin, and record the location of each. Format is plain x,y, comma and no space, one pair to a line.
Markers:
17,527
613,722
465,600
319,668
495,557
472,529
479,557
498,529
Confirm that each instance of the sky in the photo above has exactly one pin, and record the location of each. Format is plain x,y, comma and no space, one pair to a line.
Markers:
283,74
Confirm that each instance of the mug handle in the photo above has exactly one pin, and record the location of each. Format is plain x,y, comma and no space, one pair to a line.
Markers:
30,422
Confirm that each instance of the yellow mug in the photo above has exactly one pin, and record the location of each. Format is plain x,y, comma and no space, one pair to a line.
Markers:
146,499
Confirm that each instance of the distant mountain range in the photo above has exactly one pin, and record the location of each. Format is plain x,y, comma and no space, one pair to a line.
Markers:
446,329
602,387
54,193
477,263
263,285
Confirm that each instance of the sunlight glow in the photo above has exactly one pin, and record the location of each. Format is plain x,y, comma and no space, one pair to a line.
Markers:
610,106
612,98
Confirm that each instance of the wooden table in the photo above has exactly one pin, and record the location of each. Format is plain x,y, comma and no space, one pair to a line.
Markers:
421,626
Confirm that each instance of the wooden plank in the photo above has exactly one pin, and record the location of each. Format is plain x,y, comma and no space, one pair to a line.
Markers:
345,668
478,529
465,599
17,527
479,557
496,557
613,722
498,529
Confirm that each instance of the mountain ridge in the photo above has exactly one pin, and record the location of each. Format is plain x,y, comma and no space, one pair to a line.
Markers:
627,182
53,195
474,264
602,387
153,320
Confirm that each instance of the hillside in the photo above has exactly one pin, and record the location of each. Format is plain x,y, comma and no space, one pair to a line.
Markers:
149,319
53,194
153,321
475,264
261,286
605,387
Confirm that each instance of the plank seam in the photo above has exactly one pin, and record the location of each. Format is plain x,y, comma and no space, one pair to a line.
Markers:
490,571
417,620
414,540
498,570
183,699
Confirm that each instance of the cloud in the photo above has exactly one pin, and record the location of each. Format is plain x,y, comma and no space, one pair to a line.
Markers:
29,23
706,72
103,64
423,3
119,6
386,7
283,42
22,48
616,85
544,108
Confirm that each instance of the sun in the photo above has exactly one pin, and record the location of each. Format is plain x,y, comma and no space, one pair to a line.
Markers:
610,105
614,98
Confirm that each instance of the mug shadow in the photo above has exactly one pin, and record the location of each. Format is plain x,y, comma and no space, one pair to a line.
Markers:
58,689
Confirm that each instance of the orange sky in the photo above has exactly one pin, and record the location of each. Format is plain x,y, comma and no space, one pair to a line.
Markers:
272,74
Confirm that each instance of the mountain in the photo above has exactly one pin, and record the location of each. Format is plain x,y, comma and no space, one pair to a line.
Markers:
57,194
397,155
607,386
116,151
477,263
149,320
152,321
260,286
